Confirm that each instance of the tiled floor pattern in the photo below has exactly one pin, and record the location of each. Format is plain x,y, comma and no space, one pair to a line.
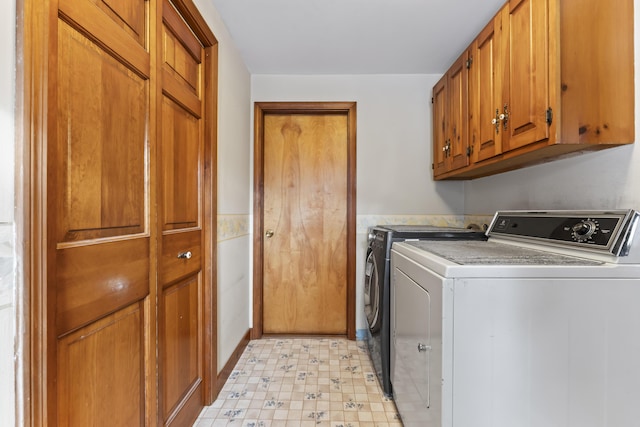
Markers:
326,382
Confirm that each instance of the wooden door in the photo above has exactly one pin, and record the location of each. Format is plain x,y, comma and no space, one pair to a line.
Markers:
91,98
182,184
485,91
305,220
528,73
100,300
457,98
440,133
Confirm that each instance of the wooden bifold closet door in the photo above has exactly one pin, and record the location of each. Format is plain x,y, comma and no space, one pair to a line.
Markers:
126,326
101,274
180,227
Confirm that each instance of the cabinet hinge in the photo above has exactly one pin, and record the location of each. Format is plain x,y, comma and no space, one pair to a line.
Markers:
549,116
469,150
469,62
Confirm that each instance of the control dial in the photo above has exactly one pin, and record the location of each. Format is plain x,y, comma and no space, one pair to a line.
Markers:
583,230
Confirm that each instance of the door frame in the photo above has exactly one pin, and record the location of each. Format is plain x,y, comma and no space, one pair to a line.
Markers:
261,109
33,30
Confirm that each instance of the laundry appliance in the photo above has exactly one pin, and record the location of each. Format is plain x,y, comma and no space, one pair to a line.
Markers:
377,282
537,326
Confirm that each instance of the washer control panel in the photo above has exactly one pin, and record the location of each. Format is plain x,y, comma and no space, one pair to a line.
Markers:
595,230
584,230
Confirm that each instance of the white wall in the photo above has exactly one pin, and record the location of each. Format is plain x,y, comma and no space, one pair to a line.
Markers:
602,180
234,189
7,247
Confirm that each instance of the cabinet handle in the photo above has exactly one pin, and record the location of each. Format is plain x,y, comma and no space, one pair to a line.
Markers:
496,121
505,117
184,255
446,148
269,233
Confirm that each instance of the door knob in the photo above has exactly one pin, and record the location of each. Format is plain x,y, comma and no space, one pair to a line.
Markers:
423,347
269,233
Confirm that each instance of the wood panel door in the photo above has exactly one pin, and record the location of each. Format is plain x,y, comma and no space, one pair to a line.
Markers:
458,113
451,118
440,134
486,95
100,299
528,73
306,222
183,188
305,219
93,92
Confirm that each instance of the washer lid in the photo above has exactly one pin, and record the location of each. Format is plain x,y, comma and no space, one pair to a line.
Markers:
470,252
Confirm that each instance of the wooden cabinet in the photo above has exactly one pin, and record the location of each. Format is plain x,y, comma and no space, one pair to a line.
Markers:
450,119
546,78
526,77
440,133
487,62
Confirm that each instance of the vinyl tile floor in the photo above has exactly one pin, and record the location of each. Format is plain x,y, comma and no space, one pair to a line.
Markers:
302,382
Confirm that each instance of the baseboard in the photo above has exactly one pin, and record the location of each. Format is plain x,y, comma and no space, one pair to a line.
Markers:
224,374
361,334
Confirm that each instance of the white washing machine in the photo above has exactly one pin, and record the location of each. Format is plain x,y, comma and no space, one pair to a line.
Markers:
538,326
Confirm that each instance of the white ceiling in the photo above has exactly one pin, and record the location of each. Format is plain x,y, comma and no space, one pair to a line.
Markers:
353,36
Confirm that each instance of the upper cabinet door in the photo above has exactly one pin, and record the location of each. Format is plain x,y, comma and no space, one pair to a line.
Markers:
440,126
487,59
451,118
527,76
457,82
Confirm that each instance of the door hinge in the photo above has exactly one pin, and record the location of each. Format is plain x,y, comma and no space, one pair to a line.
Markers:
469,62
432,99
549,116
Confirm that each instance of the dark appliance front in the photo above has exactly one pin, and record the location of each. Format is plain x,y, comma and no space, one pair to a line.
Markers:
377,286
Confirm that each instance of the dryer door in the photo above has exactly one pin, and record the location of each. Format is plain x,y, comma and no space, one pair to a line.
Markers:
372,296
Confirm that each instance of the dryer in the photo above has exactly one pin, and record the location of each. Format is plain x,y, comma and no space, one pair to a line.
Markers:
377,284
